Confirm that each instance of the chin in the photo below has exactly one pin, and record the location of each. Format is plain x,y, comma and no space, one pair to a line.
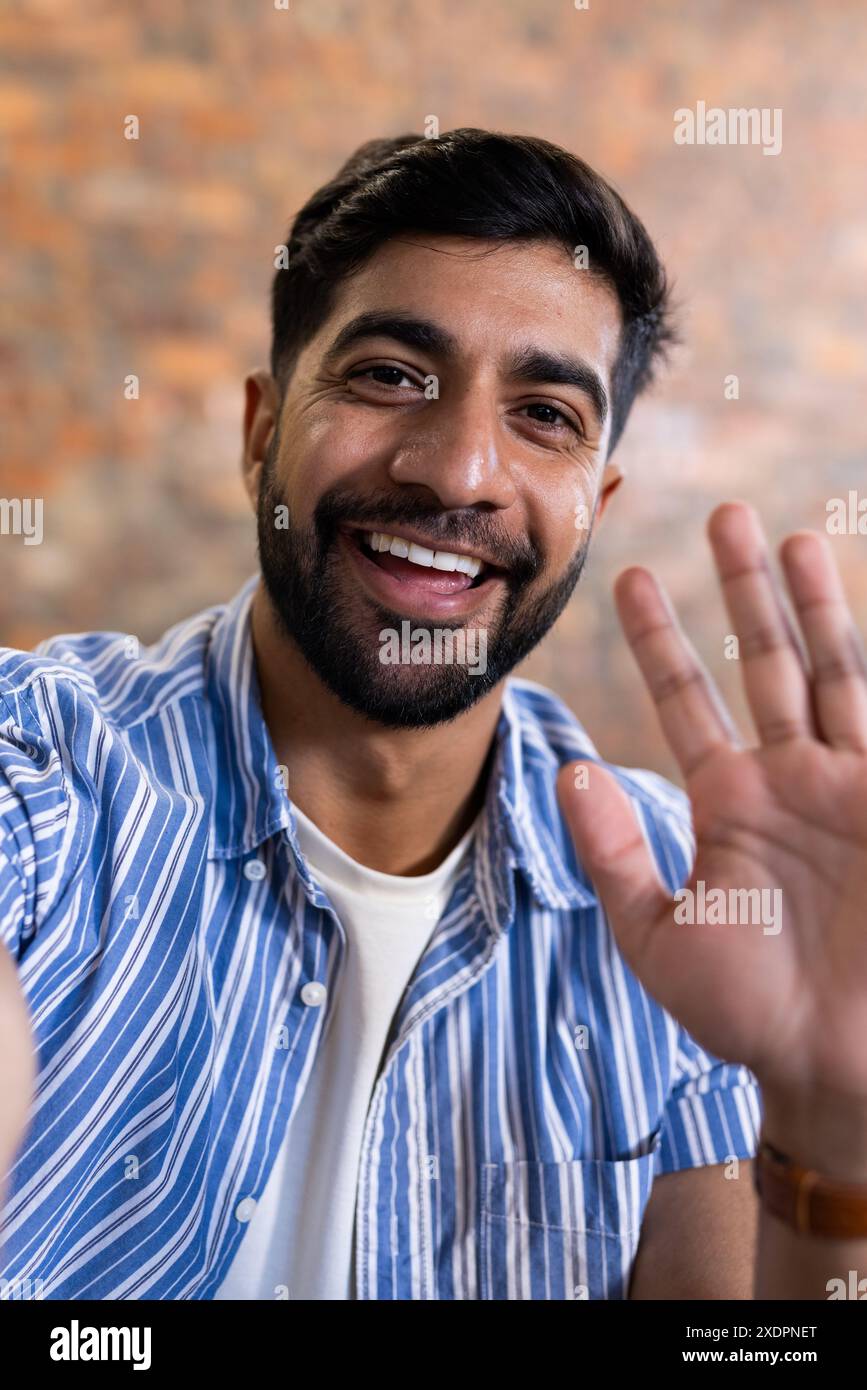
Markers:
412,698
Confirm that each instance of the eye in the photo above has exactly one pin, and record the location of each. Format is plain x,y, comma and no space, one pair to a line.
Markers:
384,374
550,418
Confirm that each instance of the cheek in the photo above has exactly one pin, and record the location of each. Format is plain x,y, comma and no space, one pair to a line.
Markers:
330,447
563,524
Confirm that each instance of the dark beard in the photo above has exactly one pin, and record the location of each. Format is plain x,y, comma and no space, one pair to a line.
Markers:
299,573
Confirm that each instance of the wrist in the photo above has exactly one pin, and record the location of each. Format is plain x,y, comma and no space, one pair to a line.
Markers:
822,1129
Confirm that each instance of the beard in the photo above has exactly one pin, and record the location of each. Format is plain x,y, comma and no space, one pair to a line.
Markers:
312,597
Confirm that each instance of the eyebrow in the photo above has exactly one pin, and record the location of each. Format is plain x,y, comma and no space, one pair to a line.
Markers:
530,364
536,364
404,328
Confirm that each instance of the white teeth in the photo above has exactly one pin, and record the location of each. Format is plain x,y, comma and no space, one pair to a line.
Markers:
442,560
468,564
421,555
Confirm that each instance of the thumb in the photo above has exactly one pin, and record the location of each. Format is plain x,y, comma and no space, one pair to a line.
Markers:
611,846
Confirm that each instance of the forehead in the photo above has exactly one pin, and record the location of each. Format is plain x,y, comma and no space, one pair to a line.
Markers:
489,295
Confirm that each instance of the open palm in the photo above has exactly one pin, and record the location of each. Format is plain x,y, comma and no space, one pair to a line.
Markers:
764,961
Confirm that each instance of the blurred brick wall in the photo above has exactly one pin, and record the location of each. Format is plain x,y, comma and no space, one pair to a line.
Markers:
153,257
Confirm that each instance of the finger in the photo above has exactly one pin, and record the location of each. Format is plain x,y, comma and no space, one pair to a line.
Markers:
611,846
834,645
693,716
775,675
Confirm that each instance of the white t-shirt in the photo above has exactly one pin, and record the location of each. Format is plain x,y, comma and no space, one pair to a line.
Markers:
300,1237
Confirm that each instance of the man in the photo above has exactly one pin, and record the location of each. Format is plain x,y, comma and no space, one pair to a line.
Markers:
330,998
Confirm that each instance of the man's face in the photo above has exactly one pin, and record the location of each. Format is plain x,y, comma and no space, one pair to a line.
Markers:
467,425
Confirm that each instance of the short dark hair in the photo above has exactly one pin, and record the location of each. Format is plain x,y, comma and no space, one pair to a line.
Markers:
473,183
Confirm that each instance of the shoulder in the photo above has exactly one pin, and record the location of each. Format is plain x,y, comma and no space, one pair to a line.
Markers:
69,712
102,675
70,709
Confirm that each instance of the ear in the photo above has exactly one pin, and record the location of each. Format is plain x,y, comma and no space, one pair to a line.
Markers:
612,477
261,411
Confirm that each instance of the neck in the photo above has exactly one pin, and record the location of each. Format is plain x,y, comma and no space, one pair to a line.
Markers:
396,800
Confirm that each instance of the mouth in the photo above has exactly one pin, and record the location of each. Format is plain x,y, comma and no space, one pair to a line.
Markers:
411,576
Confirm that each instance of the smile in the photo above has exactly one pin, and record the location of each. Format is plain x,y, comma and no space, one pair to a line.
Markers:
446,560
417,579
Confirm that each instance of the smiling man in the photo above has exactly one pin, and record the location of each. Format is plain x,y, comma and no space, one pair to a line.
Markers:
331,997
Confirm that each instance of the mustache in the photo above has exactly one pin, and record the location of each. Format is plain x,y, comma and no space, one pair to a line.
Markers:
475,531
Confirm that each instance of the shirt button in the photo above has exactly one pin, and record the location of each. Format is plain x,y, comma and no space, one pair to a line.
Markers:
430,908
314,993
245,1208
254,869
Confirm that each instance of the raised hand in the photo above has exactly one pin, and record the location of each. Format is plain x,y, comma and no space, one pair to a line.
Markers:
785,993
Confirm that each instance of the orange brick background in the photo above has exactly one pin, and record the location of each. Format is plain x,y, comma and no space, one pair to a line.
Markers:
154,257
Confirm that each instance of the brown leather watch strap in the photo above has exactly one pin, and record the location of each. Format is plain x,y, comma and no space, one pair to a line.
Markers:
808,1201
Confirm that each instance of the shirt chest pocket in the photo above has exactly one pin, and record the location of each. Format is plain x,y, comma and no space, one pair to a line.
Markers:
561,1230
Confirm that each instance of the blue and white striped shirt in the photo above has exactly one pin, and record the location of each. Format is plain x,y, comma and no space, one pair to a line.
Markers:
165,922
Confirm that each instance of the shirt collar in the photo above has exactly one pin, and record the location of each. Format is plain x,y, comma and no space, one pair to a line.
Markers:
251,803
522,801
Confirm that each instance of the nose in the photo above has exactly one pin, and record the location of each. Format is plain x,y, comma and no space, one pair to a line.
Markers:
457,453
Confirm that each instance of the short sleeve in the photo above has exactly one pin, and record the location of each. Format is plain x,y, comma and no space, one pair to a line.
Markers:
713,1112
34,821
